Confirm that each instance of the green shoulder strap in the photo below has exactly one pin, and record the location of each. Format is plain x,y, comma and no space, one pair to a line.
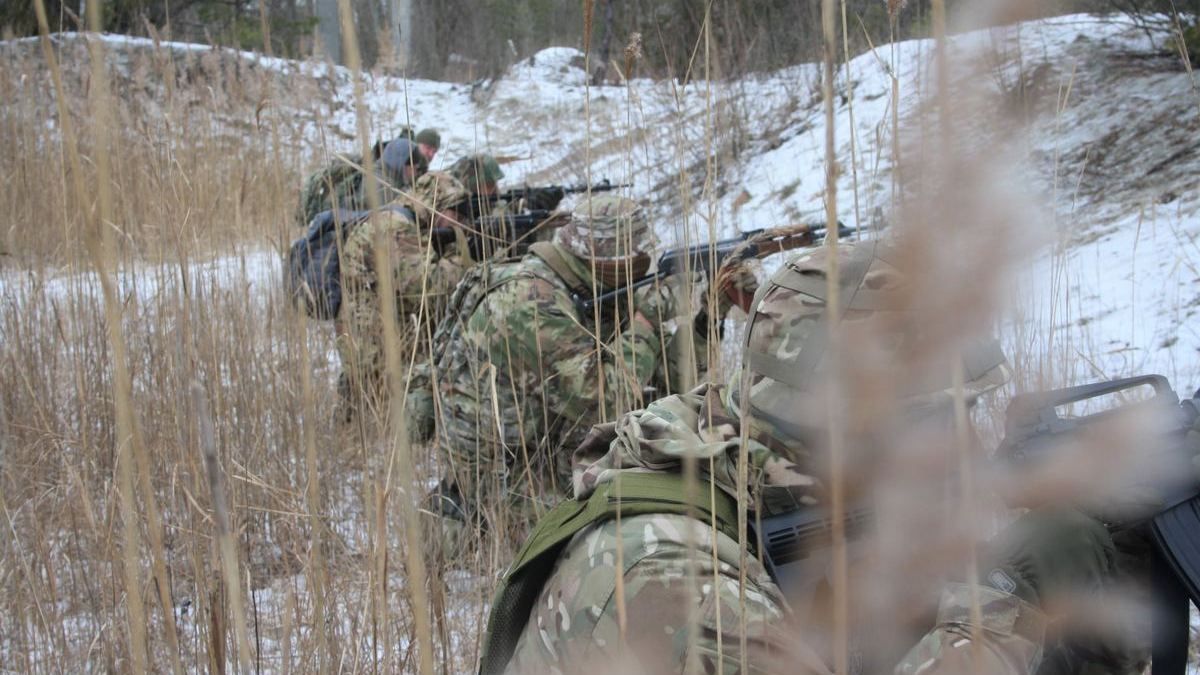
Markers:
553,258
639,494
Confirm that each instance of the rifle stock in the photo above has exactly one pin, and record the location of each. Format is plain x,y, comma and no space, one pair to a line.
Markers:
496,234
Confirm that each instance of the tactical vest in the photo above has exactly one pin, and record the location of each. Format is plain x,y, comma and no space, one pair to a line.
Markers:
638,494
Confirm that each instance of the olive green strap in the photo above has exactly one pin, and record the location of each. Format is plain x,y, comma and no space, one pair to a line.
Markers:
553,258
637,494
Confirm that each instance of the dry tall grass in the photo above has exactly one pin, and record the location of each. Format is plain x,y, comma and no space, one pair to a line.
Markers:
284,545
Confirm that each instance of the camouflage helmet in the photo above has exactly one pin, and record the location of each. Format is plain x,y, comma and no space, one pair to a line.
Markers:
606,227
787,337
476,170
435,191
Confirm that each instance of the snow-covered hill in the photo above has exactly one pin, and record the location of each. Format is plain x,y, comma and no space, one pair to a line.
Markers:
1106,152
1093,131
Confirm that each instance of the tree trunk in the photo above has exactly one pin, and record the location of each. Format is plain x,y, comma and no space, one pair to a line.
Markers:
402,33
367,22
329,30
600,73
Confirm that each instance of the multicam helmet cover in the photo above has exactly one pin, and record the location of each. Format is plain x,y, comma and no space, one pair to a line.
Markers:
785,359
606,227
477,170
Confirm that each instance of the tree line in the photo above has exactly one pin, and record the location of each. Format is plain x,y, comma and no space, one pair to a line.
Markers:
470,39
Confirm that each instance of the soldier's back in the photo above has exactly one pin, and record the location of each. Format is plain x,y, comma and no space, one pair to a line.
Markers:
666,564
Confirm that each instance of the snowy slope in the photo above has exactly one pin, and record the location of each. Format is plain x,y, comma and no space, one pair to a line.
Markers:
1108,150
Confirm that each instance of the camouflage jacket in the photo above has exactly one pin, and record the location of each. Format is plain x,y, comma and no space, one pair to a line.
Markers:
421,279
525,376
343,185
688,600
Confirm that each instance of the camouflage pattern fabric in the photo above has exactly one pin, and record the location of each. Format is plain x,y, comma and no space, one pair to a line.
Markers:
422,281
338,185
520,381
606,227
697,424
784,352
476,171
574,626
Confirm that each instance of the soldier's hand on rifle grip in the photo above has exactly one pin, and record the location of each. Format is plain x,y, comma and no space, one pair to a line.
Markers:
736,284
656,303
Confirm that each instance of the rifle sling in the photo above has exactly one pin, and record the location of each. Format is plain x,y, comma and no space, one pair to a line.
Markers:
555,260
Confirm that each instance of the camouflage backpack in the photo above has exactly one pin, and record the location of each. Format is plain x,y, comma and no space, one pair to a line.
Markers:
337,186
635,494
470,291
478,282
340,184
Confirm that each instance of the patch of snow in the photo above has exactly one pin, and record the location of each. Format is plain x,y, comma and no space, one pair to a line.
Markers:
554,65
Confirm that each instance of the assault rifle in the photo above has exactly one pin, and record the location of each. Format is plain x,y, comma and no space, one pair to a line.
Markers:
709,258
493,235
545,198
1035,431
794,544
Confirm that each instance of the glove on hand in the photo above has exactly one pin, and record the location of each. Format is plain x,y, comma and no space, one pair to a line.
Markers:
736,285
656,302
1050,552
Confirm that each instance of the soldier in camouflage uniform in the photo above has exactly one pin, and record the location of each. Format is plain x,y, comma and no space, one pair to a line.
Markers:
479,174
523,374
421,278
342,185
572,618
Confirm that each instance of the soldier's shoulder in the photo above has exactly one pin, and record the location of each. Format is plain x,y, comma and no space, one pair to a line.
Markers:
529,279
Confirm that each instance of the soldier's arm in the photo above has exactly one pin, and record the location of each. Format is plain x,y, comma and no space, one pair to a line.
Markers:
625,364
686,362
1009,641
416,272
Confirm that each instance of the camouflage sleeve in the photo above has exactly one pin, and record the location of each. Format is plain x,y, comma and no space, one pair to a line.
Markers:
415,271
658,595
686,362
1009,641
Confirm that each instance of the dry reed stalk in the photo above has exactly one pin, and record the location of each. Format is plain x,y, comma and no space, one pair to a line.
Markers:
946,139
840,572
231,579
895,110
374,490
691,465
99,247
850,86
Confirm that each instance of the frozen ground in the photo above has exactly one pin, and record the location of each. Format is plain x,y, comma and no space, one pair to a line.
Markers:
1108,159
1107,154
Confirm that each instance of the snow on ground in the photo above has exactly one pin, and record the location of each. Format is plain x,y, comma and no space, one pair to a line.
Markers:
1107,154
1109,151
